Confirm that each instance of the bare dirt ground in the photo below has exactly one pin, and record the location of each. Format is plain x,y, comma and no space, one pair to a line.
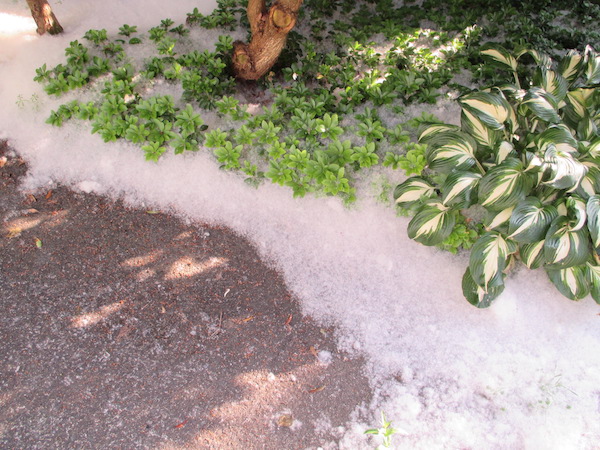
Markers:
126,328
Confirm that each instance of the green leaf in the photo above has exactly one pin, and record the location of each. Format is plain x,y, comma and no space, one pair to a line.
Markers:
532,254
593,219
542,104
476,295
565,247
491,108
459,189
504,185
499,56
413,190
451,151
432,223
570,65
488,259
530,220
593,273
572,282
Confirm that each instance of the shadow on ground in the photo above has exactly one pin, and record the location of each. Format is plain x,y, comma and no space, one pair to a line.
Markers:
124,328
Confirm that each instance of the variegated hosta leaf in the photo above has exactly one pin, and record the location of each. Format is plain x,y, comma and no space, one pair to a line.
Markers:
459,189
578,99
504,185
558,135
504,150
562,170
594,148
576,211
541,59
542,104
592,71
551,82
586,128
495,219
593,219
413,190
451,151
498,55
491,108
488,259
476,295
570,66
485,136
565,247
532,254
530,220
432,223
572,282
593,273
426,132
590,185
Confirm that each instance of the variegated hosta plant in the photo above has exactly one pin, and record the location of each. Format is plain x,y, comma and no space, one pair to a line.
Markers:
528,152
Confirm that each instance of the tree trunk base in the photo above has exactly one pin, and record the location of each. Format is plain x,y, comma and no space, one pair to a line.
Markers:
269,32
44,18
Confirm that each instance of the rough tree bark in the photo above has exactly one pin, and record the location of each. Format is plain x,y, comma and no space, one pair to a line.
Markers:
269,28
44,17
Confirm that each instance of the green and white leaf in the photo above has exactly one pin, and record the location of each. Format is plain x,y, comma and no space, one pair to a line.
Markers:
459,189
504,150
576,211
413,190
594,148
551,82
484,135
563,171
476,295
542,104
532,254
565,247
430,130
495,219
499,56
593,273
592,71
572,282
530,220
451,151
432,223
578,99
488,259
504,185
590,184
570,65
491,108
593,219
559,136
541,59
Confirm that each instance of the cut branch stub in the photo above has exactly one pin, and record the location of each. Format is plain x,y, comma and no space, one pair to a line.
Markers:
44,18
269,32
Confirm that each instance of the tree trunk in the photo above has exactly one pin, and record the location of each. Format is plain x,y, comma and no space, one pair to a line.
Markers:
269,29
44,17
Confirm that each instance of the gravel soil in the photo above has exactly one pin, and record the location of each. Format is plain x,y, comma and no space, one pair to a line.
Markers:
124,328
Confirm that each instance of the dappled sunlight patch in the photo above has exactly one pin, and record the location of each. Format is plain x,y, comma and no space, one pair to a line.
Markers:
188,267
15,227
13,24
92,318
143,260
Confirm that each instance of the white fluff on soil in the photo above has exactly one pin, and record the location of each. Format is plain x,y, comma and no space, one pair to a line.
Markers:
523,374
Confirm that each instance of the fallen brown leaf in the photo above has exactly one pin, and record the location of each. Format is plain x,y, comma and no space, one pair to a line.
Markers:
289,319
182,424
49,194
317,389
3,161
286,420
